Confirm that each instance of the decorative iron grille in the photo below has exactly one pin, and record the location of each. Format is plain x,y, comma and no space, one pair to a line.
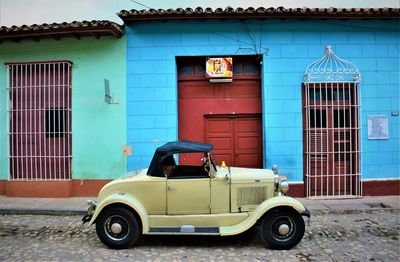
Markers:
332,150
39,120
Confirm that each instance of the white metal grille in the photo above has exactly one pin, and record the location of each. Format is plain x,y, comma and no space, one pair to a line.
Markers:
40,120
332,128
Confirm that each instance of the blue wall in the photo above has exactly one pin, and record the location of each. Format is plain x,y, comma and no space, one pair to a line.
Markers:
287,48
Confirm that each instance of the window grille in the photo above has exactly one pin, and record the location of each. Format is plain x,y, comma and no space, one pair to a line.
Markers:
40,134
331,102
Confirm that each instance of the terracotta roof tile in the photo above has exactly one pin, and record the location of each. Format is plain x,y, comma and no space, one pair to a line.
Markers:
77,29
259,13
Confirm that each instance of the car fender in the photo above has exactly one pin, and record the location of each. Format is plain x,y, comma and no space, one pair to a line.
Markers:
126,199
278,201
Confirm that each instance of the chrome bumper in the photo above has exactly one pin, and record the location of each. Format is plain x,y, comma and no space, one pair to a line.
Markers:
306,213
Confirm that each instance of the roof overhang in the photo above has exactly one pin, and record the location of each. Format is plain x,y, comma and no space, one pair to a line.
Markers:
259,13
59,30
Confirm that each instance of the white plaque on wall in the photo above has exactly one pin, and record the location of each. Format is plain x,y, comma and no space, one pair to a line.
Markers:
378,127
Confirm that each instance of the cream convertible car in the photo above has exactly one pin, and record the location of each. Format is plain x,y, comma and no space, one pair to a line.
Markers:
171,199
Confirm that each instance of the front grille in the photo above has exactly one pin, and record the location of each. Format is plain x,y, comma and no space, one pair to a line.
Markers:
251,195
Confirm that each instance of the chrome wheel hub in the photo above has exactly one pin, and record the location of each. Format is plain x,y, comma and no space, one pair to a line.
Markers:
116,228
283,229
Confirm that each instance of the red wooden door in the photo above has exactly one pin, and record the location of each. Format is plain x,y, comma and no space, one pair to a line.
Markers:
201,105
237,139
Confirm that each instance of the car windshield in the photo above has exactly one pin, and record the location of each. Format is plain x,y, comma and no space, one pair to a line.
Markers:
213,167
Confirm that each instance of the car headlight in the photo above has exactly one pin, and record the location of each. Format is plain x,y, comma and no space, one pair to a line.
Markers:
284,186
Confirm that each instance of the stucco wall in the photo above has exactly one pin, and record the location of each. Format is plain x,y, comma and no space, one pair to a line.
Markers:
98,129
287,48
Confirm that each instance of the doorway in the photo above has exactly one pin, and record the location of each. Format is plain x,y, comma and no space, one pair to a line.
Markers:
218,112
331,139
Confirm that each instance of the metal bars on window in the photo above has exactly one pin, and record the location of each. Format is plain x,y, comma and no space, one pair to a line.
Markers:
40,134
332,129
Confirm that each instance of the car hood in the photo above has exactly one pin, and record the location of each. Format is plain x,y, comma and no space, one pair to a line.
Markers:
117,184
244,175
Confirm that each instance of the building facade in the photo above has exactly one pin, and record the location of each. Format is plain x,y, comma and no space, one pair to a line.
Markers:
314,91
268,114
58,136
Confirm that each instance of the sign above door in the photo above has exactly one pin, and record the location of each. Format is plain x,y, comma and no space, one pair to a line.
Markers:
219,67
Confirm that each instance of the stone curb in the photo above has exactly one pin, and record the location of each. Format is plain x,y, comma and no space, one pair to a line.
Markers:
80,212
49,212
352,211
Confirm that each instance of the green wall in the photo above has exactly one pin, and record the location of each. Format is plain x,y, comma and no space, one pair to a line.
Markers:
98,129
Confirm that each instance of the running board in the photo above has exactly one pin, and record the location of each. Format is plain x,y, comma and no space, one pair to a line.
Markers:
184,230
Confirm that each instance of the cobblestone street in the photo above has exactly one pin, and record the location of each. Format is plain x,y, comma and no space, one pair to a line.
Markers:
349,237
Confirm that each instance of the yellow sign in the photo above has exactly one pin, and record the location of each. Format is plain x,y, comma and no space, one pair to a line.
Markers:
219,67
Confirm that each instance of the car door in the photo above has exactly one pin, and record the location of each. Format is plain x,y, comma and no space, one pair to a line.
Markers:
220,195
188,196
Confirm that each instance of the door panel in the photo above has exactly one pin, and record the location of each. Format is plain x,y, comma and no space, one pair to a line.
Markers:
220,196
188,196
239,142
219,133
248,146
248,160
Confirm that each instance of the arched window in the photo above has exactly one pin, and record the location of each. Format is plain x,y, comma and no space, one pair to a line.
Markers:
331,128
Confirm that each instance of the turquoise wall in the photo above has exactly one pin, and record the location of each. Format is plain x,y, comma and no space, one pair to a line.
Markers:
98,129
287,47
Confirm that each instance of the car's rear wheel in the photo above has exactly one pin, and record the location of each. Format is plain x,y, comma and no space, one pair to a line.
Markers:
117,227
282,228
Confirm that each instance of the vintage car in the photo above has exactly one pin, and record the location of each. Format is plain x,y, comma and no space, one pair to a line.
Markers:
172,199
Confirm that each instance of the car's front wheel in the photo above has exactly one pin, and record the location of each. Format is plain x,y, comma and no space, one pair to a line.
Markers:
282,228
117,227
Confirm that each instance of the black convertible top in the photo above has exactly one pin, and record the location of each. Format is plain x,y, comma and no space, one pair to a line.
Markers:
170,148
